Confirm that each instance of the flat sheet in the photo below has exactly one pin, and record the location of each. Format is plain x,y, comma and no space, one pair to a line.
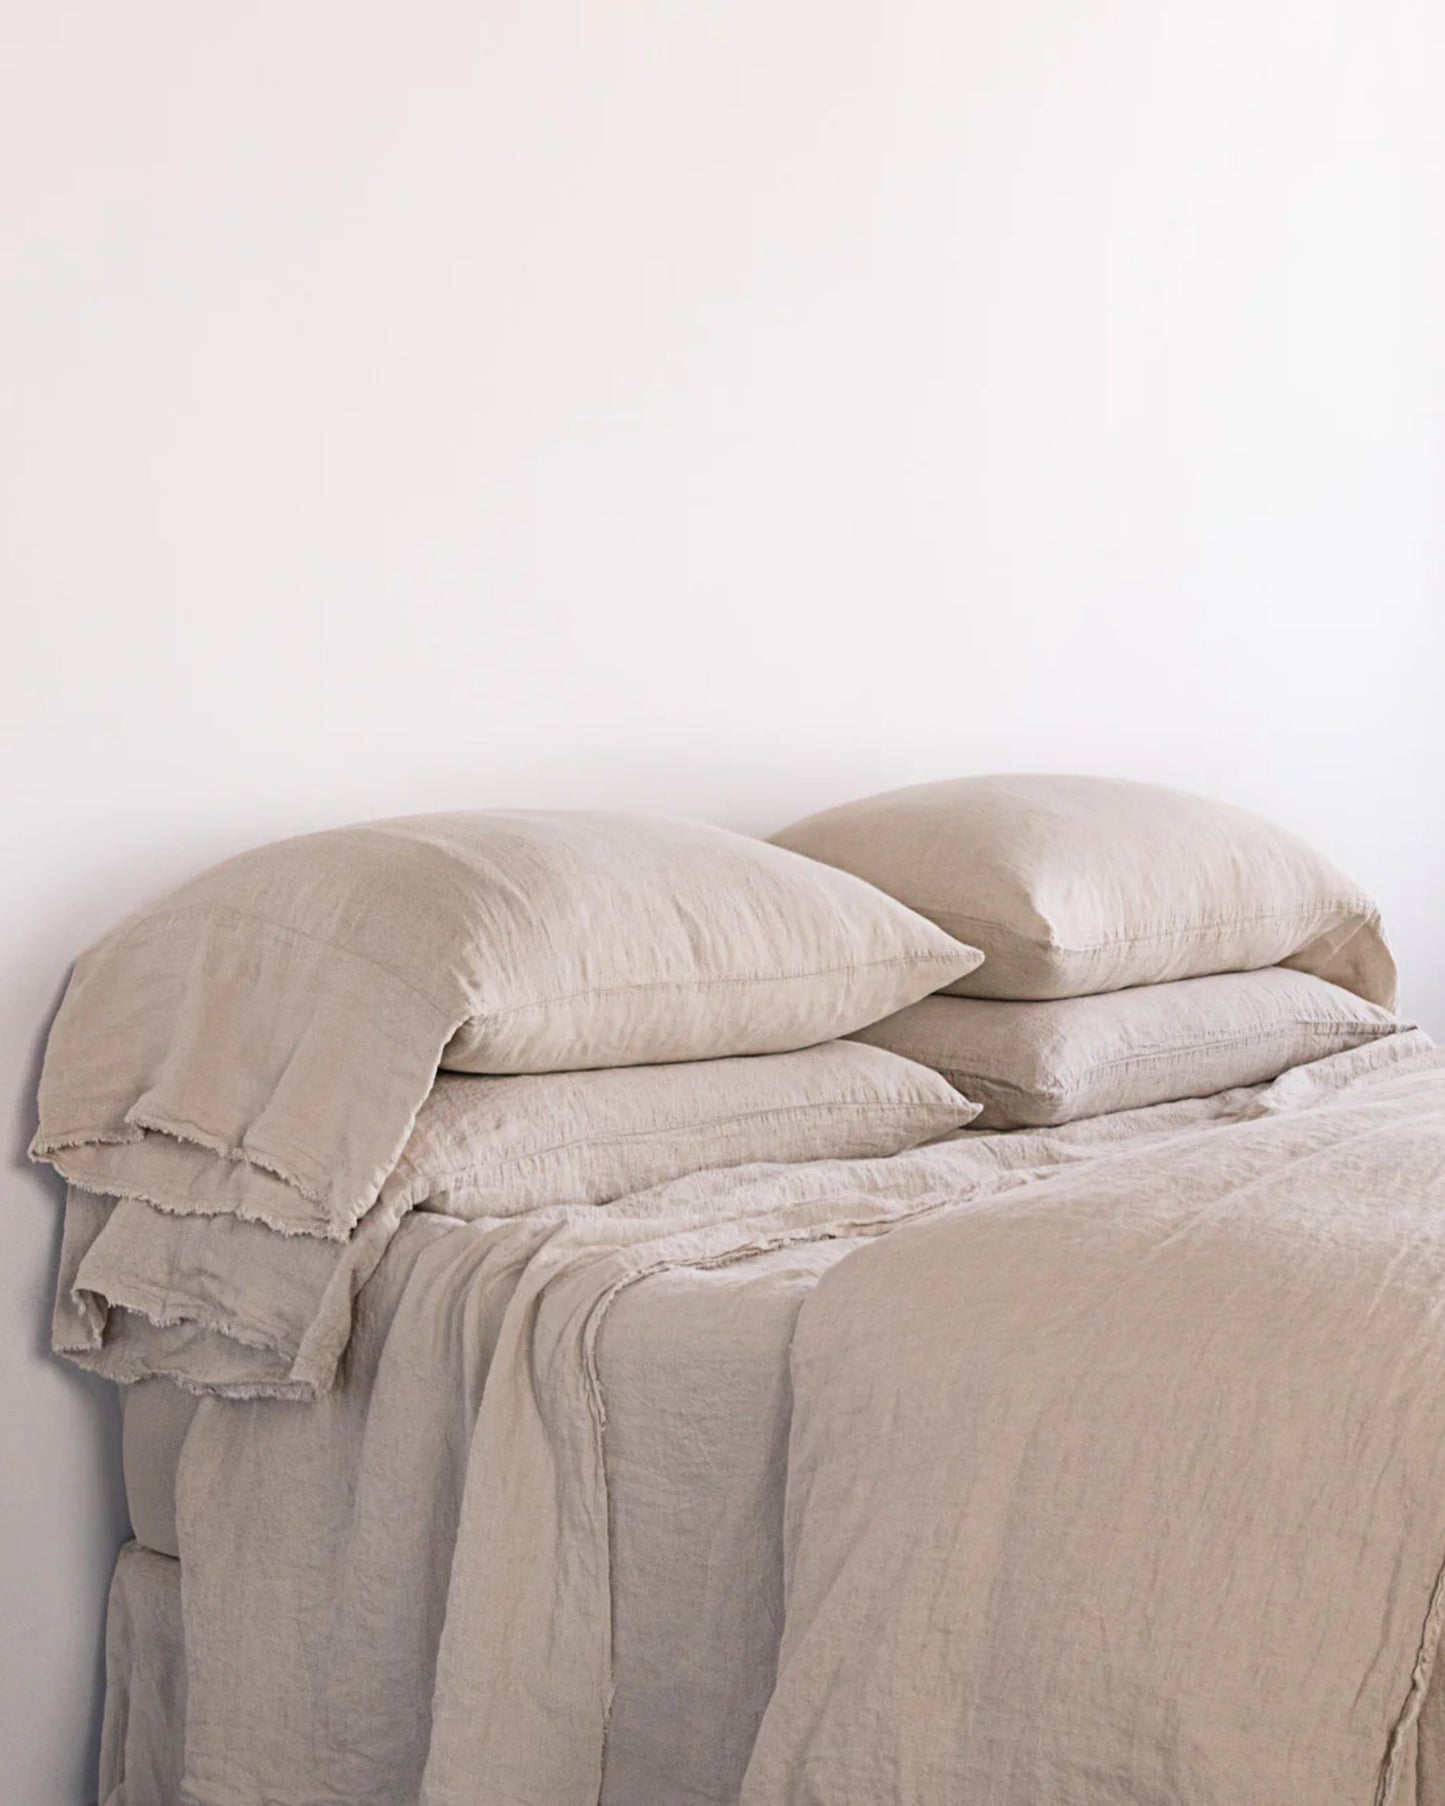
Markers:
694,1368
425,1611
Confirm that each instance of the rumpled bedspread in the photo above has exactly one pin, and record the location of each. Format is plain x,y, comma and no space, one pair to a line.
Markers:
1156,1385
1130,1487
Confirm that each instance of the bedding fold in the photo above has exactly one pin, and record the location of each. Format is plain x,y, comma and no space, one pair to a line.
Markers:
219,1303
211,1302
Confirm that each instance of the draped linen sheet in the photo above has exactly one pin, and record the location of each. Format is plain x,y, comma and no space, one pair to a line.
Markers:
424,1612
693,1364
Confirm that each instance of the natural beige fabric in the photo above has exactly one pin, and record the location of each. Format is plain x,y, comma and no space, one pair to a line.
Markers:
1029,1064
287,1011
692,1654
155,1417
213,1303
1073,885
220,1304
474,1378
496,1147
144,1735
1148,1504
468,1657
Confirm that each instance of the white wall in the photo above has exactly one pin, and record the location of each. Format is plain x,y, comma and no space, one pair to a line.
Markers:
724,408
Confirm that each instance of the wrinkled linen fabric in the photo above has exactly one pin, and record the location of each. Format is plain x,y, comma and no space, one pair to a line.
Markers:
470,1388
221,1304
424,1612
500,1147
1075,885
257,1044
144,1736
1130,1488
213,1303
693,1366
142,1740
1030,1064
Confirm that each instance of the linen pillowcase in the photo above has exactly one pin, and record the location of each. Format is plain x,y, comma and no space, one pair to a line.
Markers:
499,1147
1075,885
1036,1064
288,1010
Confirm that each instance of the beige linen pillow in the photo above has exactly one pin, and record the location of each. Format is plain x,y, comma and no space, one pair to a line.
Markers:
1034,1064
1075,885
499,1147
288,1010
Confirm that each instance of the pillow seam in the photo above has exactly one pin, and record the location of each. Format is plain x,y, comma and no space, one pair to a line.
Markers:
1368,913
153,922
759,978
1375,1031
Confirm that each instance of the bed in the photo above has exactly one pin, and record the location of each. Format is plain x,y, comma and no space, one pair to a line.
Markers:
1094,1454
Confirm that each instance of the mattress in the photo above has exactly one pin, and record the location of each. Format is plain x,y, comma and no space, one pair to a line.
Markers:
695,1367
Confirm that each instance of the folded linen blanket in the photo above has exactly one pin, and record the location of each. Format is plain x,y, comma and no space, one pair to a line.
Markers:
423,1614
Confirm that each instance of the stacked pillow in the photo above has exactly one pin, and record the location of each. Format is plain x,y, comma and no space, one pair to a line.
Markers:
1140,945
499,1147
640,998
252,1082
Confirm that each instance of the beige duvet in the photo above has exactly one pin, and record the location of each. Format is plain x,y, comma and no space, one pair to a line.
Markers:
1119,1475
1130,1487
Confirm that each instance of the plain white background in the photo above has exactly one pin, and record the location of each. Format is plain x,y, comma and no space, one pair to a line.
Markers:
722,408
